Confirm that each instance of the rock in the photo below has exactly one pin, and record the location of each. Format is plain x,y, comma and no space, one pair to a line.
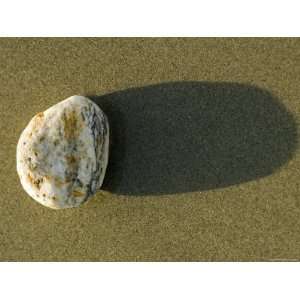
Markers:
62,154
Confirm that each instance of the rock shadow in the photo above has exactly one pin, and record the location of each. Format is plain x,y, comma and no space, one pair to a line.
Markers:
194,136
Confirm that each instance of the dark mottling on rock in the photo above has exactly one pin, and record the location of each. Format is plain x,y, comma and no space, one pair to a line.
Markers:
78,182
71,159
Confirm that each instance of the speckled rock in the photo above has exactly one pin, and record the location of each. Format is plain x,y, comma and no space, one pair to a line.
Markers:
62,154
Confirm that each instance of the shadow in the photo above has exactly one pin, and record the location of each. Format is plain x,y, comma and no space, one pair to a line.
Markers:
194,136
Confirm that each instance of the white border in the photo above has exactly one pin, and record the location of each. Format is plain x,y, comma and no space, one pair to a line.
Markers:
149,18
149,281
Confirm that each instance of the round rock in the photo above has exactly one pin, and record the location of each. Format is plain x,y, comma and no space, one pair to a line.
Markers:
62,154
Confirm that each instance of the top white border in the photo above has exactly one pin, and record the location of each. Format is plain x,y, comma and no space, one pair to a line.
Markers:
159,18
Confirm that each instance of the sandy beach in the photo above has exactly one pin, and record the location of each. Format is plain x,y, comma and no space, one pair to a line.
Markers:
204,155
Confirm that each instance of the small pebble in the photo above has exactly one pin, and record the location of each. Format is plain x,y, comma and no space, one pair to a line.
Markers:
62,154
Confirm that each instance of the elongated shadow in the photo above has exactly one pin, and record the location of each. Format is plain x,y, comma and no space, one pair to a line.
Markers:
193,136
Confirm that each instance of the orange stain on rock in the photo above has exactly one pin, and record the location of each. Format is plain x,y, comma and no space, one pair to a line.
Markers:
77,193
58,182
70,125
34,182
40,115
30,178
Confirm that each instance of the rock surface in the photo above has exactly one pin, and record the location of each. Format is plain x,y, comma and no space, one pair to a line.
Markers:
62,154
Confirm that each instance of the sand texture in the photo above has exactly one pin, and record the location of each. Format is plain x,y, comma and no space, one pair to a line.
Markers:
204,155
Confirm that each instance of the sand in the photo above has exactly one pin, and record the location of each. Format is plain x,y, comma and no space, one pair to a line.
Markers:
204,161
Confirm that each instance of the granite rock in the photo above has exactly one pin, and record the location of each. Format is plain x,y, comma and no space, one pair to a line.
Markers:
62,154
